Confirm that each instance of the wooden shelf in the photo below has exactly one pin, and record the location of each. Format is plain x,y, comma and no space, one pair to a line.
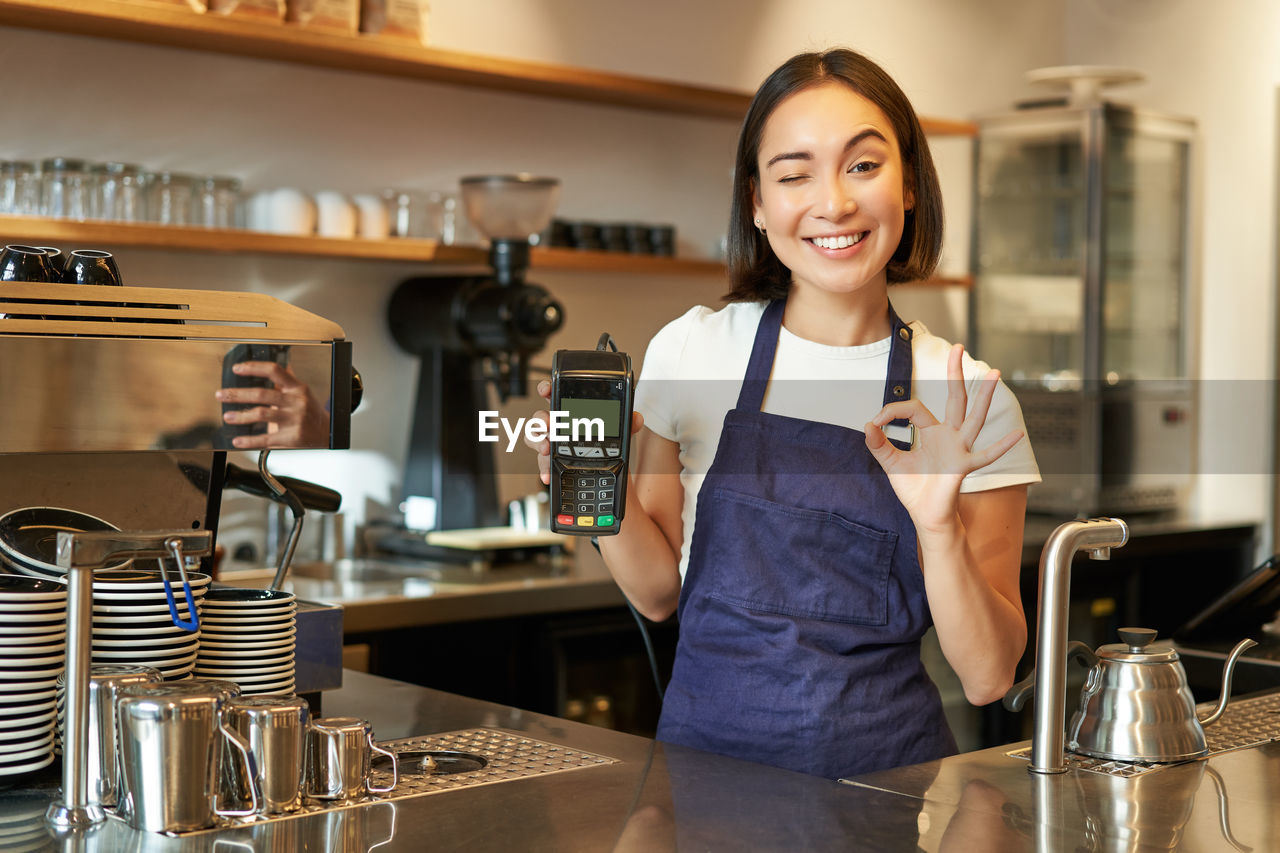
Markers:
69,234
175,25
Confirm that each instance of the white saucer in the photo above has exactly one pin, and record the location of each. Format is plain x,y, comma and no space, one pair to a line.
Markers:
42,682
26,712
149,657
12,630
37,696
175,641
35,731
52,617
221,597
54,660
217,647
269,689
32,639
212,669
24,722
242,614
11,604
15,769
28,752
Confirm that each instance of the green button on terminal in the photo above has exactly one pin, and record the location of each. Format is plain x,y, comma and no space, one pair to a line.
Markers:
604,521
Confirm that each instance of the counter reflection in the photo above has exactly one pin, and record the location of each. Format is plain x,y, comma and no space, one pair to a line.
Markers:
1086,812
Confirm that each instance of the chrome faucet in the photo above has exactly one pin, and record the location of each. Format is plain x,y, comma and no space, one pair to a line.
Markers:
1097,536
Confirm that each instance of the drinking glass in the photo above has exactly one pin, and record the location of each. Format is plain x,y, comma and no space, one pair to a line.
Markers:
169,197
64,188
407,213
118,192
19,188
218,203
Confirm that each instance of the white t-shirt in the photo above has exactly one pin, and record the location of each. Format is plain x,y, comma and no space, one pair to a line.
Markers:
694,366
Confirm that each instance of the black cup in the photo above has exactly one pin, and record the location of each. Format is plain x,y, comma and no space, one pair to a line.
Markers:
90,266
56,261
25,263
662,240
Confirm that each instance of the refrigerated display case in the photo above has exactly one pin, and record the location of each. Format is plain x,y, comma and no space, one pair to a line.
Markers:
1081,297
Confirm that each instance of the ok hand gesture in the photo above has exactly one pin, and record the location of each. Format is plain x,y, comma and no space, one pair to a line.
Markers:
927,478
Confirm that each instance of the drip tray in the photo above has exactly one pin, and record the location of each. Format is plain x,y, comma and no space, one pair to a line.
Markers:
443,762
1247,723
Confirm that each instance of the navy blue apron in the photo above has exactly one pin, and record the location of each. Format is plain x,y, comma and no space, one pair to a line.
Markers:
803,605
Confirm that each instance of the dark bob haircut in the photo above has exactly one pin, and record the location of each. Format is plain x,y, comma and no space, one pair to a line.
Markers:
755,273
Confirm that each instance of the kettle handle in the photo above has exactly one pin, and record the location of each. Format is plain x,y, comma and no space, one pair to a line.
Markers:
1016,698
1241,647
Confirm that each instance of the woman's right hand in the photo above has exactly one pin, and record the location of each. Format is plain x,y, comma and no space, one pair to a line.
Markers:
544,447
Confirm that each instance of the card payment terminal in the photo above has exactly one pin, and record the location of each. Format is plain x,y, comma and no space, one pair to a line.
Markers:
591,393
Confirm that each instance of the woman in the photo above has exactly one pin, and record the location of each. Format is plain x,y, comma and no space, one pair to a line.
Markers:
807,557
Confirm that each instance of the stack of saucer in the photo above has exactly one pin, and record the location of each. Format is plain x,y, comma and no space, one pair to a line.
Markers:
33,641
132,623
248,638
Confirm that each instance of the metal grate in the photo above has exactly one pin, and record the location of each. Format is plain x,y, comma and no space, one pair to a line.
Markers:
1247,723
506,756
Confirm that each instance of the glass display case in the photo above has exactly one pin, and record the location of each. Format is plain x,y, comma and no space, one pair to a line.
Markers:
1081,253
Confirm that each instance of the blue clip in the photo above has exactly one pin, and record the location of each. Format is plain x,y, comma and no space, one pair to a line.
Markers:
174,547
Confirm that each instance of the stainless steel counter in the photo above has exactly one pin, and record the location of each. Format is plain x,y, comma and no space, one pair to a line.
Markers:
657,797
988,801
381,594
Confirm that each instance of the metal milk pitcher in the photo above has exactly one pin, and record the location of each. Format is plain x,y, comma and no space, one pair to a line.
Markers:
168,738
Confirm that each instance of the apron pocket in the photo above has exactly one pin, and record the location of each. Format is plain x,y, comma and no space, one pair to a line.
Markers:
798,562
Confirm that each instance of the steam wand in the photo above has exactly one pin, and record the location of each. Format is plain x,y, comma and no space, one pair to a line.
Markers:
295,507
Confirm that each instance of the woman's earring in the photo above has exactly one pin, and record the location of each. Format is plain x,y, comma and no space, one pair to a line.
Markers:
760,226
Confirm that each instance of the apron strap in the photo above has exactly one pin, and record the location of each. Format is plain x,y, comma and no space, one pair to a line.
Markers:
897,384
756,381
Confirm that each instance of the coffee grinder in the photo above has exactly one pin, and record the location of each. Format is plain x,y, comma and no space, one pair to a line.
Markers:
470,331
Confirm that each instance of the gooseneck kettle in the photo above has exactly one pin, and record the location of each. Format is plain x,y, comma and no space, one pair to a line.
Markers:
1136,704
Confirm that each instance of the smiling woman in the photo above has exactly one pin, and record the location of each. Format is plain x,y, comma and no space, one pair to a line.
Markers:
808,552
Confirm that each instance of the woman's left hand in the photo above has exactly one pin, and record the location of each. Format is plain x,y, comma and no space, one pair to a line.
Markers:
927,478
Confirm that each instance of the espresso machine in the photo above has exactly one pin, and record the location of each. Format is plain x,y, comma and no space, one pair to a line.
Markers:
471,332
110,411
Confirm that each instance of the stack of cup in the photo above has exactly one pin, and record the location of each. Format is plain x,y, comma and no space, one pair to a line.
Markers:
248,637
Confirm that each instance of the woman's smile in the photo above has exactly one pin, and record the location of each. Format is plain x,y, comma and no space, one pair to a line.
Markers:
836,244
